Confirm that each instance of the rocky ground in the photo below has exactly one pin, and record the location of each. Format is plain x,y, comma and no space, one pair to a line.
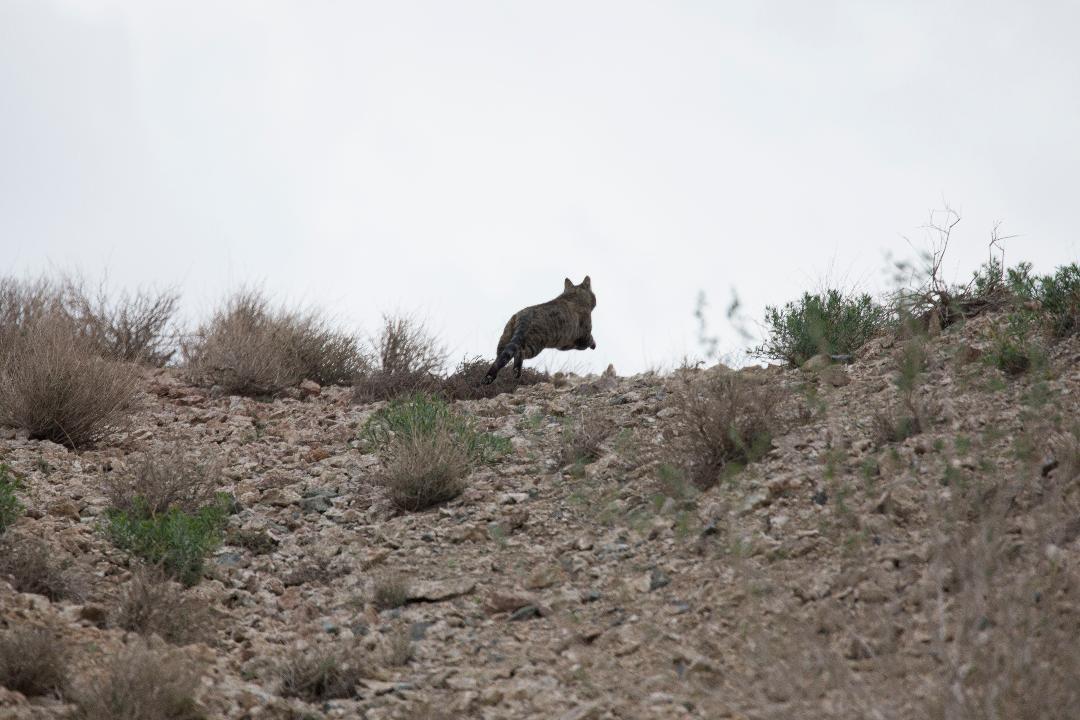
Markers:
841,576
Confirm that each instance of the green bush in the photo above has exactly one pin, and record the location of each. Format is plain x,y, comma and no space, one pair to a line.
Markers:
176,540
426,416
10,507
1060,297
1013,347
829,322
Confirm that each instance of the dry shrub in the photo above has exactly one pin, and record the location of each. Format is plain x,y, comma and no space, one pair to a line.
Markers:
391,590
583,437
321,673
398,649
724,421
425,470
405,359
248,348
33,660
32,567
135,327
164,477
152,603
464,382
55,385
139,683
23,303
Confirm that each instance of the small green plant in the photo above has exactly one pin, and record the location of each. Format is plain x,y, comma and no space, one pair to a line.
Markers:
426,415
177,540
1014,349
828,322
10,507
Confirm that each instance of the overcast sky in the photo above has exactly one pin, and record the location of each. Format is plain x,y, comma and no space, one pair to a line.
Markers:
458,159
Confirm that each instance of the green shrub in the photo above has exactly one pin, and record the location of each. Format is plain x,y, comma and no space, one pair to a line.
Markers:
1060,297
1013,347
829,322
176,540
10,507
428,416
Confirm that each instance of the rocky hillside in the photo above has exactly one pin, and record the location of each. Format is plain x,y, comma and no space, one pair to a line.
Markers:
905,547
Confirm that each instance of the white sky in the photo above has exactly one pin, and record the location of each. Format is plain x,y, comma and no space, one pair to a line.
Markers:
457,160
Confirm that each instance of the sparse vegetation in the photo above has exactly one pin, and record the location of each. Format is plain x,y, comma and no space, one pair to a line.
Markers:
464,382
164,477
133,327
911,416
175,539
139,683
725,421
249,348
424,470
421,416
152,604
10,507
830,322
322,673
32,567
33,660
390,590
55,385
405,360
582,438
1013,347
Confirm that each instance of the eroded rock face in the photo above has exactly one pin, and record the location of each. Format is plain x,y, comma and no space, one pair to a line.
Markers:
605,589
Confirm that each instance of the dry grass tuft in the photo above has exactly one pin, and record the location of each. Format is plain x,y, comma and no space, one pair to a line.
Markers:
322,673
425,470
153,604
248,348
140,683
724,421
164,477
33,660
31,566
55,385
405,359
391,590
398,650
464,382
